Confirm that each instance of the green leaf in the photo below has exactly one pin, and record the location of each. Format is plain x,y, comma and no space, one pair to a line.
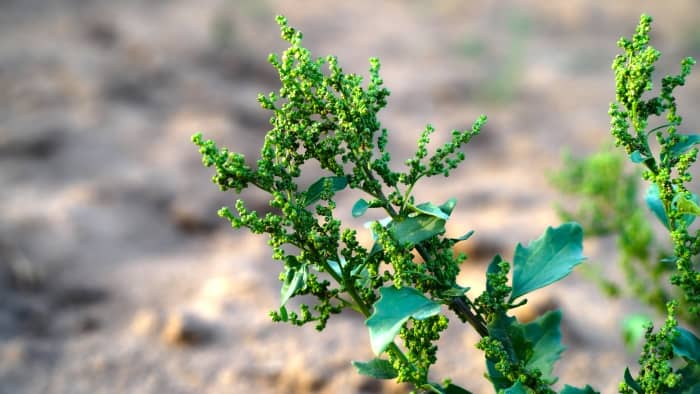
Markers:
313,194
448,206
545,337
636,157
294,280
686,142
690,380
417,228
686,204
464,237
492,269
455,291
687,345
547,259
633,330
376,368
454,389
574,390
517,388
392,310
359,208
653,200
632,383
428,208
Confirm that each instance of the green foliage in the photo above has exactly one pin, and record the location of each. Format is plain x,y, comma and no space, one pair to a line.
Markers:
325,116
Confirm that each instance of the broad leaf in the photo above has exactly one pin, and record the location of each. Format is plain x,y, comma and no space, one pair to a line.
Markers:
574,390
294,280
687,345
428,208
547,259
545,337
313,194
392,310
376,368
417,228
359,208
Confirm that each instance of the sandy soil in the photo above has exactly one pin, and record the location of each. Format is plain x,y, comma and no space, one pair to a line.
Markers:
117,275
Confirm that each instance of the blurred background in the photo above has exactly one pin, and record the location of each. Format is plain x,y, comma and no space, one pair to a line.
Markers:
118,277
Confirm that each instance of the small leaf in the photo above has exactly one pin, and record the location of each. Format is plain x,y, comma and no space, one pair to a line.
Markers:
464,237
456,291
574,390
337,267
547,259
376,368
392,310
636,157
686,142
633,330
454,389
294,280
688,205
687,345
517,388
448,206
632,383
313,194
690,380
492,269
428,208
417,228
359,208
653,199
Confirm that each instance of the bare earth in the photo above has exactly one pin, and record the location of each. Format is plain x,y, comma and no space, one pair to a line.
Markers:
116,275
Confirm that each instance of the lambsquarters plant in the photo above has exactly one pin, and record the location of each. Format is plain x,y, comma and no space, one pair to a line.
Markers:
326,116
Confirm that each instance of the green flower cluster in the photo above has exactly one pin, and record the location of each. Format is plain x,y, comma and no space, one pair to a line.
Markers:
324,118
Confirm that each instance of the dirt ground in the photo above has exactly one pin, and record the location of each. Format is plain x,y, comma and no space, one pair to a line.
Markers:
117,275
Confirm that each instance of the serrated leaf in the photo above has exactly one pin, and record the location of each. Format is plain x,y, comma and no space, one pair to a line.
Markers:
359,208
545,337
428,208
687,345
313,194
636,157
687,142
632,383
416,229
547,259
376,368
294,280
574,390
394,308
653,200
